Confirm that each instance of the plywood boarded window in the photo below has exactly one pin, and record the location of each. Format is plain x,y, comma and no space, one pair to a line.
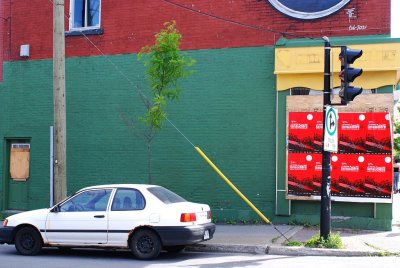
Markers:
19,161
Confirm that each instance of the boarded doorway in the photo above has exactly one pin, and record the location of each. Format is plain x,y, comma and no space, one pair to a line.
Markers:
17,174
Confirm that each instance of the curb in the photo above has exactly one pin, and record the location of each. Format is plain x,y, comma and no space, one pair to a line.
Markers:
222,248
280,250
304,251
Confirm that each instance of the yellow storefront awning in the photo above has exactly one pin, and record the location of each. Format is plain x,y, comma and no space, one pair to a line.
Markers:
303,67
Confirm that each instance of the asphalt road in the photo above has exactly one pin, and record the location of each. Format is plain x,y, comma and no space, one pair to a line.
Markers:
79,258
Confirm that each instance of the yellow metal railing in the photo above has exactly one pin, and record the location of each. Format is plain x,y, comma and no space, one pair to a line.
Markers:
231,185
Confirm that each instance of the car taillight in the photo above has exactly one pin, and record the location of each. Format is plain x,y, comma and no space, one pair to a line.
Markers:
5,222
209,214
188,217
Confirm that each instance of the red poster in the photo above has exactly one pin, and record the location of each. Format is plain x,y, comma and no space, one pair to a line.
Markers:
304,173
378,176
347,175
305,132
352,133
378,138
317,175
362,168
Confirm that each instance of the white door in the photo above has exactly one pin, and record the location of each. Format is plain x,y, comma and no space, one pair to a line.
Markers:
126,213
81,220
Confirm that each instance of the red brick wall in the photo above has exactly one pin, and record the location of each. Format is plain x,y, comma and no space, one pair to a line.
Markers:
4,26
129,25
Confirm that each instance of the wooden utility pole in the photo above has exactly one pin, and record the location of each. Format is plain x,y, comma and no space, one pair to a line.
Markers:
60,137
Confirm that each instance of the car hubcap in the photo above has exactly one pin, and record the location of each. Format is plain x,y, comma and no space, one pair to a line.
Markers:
27,241
145,244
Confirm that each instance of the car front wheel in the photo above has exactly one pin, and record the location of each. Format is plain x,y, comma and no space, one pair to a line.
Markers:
145,244
28,241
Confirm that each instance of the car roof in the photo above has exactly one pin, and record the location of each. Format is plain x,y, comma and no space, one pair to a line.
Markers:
135,186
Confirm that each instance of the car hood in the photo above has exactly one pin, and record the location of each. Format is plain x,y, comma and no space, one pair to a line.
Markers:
30,217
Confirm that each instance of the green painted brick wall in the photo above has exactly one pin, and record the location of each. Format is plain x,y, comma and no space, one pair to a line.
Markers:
227,108
26,113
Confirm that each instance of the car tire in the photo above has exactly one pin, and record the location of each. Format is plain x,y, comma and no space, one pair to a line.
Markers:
174,249
145,244
28,241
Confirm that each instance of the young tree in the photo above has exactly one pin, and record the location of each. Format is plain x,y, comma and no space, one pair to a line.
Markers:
165,67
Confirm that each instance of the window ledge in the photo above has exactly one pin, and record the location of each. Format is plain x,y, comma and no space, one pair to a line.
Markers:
97,31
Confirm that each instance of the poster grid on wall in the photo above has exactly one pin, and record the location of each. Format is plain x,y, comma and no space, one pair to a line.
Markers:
361,170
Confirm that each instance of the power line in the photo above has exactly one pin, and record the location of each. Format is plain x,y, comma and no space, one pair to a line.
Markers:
250,26
143,97
140,92
258,28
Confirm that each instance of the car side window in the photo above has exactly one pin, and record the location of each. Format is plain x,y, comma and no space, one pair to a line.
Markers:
128,199
91,200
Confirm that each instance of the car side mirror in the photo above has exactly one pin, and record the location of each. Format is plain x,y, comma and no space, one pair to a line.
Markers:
56,209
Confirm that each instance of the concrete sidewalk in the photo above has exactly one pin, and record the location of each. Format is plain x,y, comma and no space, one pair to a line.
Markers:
264,239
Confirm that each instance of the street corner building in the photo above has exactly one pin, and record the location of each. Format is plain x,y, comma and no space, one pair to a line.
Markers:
254,105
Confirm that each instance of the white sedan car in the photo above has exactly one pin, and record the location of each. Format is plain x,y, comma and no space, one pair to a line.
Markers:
143,218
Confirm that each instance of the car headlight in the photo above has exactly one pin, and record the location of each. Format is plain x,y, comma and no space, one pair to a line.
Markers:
5,222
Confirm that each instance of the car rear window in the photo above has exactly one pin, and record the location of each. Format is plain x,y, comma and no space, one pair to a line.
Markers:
165,195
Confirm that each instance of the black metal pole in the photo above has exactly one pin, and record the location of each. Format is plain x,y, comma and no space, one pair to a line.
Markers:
325,221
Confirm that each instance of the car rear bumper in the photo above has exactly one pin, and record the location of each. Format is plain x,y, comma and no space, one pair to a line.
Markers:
185,235
6,236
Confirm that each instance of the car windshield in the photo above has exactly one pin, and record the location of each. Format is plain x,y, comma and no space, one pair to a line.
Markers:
165,195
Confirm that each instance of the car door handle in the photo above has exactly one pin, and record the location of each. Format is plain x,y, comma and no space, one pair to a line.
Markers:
99,216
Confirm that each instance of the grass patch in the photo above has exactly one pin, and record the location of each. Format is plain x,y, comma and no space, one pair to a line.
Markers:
333,241
234,221
295,244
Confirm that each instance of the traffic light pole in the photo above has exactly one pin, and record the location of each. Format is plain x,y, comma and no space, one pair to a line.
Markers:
325,220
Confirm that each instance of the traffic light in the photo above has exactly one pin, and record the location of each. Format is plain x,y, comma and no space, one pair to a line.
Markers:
347,74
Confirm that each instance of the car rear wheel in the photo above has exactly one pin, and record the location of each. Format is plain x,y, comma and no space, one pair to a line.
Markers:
28,241
145,244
